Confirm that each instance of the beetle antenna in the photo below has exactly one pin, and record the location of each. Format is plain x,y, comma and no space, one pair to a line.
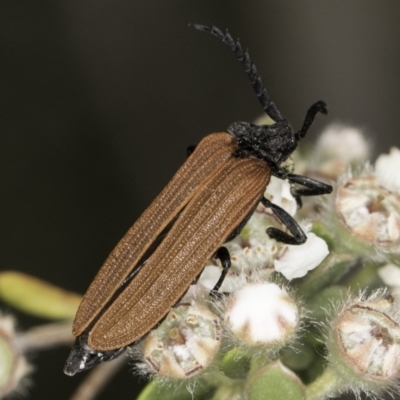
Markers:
319,106
243,56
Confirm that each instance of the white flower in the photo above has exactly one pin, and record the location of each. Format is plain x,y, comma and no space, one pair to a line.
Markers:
298,260
261,313
278,191
387,167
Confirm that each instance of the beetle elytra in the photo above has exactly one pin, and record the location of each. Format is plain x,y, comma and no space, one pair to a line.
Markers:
206,203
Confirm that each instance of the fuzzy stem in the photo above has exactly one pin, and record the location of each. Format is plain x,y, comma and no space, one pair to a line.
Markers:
328,272
365,276
98,379
327,384
45,336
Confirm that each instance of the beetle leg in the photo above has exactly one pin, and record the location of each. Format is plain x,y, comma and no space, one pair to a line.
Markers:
298,237
278,172
281,174
312,187
223,255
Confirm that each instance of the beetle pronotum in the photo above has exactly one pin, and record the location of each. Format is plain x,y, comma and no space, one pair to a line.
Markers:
206,203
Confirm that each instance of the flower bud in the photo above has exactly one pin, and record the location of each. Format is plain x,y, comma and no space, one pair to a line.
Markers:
261,314
338,147
185,343
370,213
364,343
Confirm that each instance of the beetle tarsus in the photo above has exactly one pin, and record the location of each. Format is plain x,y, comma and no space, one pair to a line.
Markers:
294,228
312,187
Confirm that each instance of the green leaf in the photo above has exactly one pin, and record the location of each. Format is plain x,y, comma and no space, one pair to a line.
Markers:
37,297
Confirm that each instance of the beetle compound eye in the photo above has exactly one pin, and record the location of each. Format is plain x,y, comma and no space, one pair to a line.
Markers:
185,344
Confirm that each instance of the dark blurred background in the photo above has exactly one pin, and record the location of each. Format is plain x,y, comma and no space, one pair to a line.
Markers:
99,100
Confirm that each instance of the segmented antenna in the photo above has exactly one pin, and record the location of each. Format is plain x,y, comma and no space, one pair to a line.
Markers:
243,56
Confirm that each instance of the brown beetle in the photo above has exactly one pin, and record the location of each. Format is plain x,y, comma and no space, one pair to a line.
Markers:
206,203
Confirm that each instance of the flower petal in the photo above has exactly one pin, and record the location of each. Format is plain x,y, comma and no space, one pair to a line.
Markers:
278,191
298,260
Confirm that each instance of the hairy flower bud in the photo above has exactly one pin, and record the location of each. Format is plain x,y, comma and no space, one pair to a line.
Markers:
262,314
185,343
338,147
364,343
370,213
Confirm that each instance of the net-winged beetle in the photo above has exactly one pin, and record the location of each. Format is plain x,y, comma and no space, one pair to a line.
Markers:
206,204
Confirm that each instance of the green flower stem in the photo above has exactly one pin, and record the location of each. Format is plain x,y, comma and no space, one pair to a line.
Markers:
45,336
235,363
217,378
256,364
327,273
325,385
233,391
272,382
366,276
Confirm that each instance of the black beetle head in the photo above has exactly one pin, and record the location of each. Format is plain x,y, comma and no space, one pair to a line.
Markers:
271,143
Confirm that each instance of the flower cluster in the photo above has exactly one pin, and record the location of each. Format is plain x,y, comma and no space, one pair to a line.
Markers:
271,324
310,321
